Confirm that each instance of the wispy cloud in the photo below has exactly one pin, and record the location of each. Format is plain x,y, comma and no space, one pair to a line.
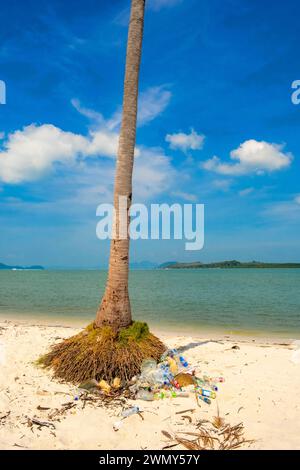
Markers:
152,103
251,157
122,18
288,210
94,116
185,196
246,191
222,184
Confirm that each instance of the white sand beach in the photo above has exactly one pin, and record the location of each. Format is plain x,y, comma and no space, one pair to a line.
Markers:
261,389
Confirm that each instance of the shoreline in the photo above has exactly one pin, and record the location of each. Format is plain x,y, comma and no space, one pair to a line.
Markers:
256,336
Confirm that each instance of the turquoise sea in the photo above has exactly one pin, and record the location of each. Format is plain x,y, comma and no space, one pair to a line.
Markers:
245,301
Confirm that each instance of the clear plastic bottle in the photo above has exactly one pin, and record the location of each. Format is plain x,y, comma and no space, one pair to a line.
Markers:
130,411
148,364
180,394
145,395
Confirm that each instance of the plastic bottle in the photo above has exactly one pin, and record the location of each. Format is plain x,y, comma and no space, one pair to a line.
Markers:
206,393
205,399
172,365
145,395
183,362
175,384
181,394
150,373
169,353
130,411
148,364
206,383
158,377
169,394
164,375
218,379
201,382
213,379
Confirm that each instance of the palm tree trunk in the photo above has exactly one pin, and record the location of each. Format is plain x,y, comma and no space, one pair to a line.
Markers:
114,309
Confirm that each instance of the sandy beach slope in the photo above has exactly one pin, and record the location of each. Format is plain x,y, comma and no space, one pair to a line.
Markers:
262,390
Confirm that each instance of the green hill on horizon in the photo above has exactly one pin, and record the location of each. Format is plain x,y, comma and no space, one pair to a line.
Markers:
227,265
7,267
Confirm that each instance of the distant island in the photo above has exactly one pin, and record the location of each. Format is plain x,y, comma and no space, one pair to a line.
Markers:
20,268
227,265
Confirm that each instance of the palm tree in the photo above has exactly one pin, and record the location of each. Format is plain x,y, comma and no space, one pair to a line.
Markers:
114,309
114,346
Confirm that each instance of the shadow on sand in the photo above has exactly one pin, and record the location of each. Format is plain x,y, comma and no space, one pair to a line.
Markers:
195,344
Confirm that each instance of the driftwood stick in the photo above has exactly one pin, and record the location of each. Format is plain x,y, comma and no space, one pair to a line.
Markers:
4,416
36,421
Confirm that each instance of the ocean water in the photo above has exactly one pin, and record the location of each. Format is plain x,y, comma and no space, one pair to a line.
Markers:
241,301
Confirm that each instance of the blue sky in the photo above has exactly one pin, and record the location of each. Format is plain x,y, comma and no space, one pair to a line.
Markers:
216,126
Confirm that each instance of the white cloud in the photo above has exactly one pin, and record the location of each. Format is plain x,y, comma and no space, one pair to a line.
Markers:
30,153
102,142
252,157
33,152
184,142
158,4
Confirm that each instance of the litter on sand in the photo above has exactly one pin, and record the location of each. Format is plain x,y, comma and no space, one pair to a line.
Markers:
117,425
295,357
171,377
101,387
168,378
130,411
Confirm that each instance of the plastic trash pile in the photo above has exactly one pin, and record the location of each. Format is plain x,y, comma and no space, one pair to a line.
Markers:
172,377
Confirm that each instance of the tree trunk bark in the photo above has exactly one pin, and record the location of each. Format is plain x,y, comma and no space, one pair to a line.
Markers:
114,309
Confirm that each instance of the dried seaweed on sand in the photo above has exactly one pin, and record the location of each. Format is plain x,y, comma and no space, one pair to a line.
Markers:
210,435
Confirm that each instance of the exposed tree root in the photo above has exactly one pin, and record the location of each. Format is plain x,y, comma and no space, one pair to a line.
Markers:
100,353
